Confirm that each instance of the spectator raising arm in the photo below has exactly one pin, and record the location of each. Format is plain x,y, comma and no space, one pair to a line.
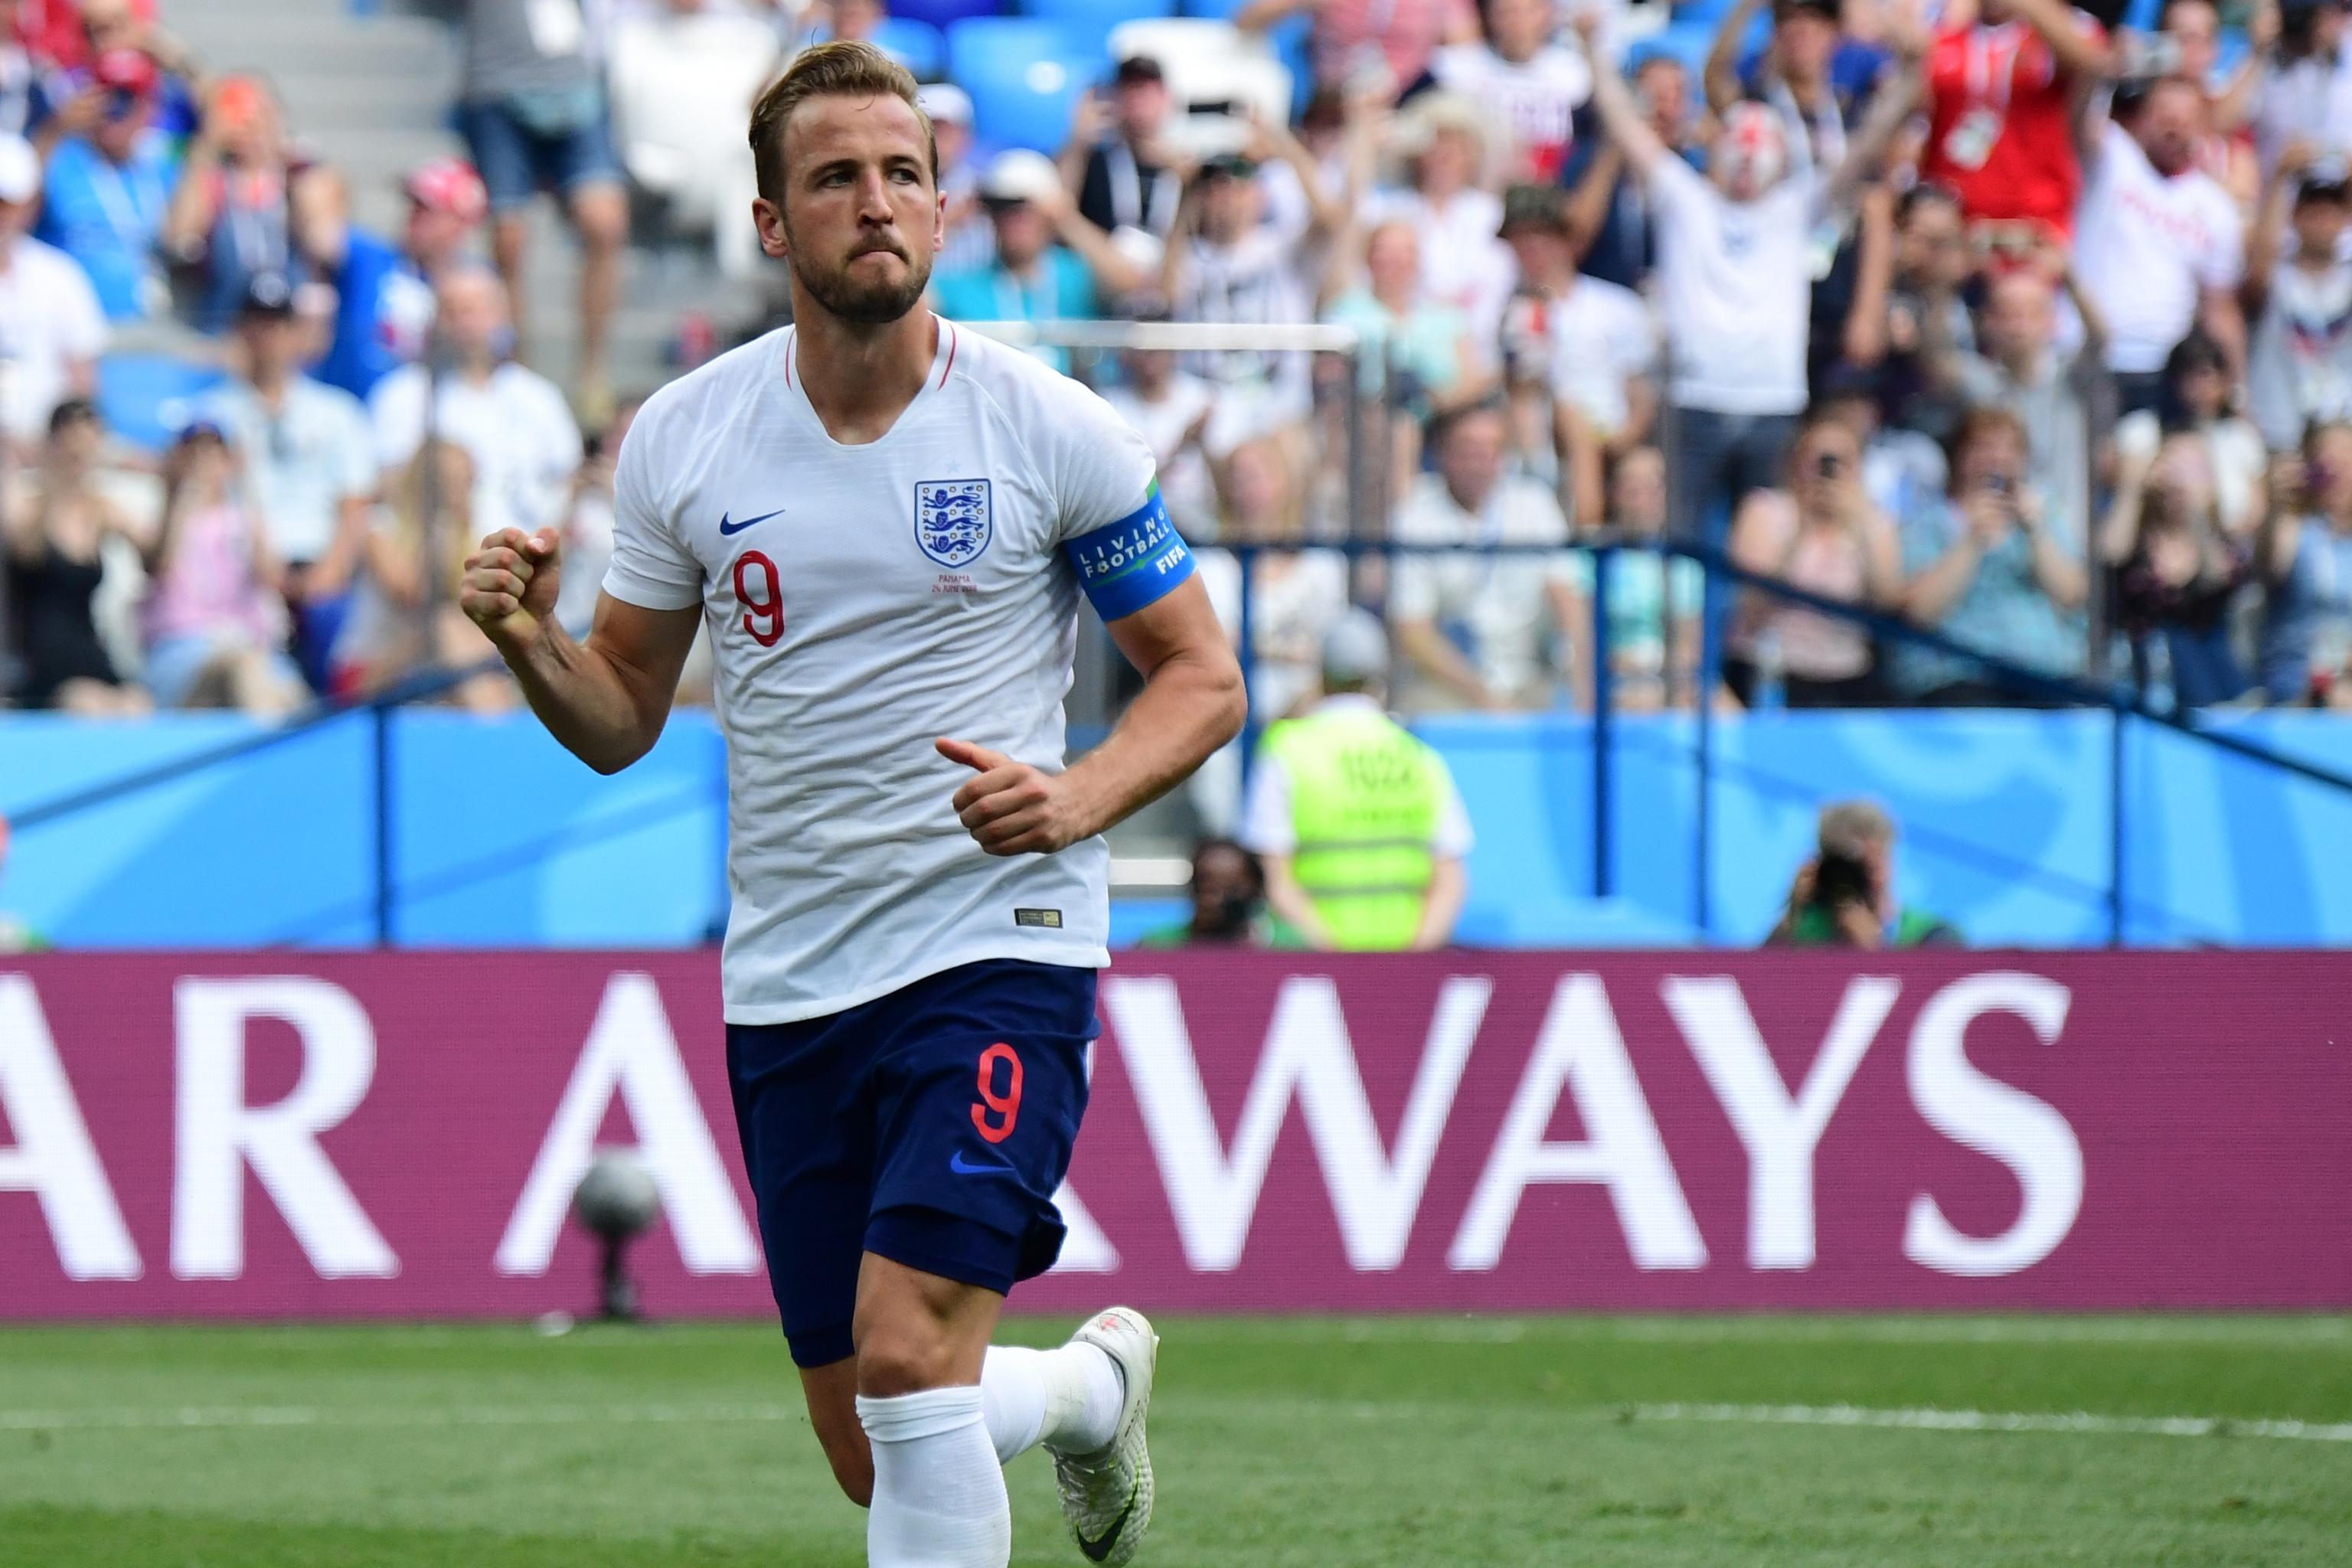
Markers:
1621,118
1722,74
1115,275
2083,54
1867,319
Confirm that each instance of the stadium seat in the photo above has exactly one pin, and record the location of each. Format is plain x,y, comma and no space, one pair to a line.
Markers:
919,45
1208,62
1091,22
1686,41
146,397
943,13
1024,76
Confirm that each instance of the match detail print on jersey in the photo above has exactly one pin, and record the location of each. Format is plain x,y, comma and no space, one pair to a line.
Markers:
1138,561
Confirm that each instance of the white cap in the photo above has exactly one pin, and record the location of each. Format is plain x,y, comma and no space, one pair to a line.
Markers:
1356,650
945,100
1020,175
20,170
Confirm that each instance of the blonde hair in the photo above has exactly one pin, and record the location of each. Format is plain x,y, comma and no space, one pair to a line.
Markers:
844,67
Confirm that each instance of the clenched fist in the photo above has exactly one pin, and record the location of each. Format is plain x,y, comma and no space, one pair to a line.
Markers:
510,585
1012,808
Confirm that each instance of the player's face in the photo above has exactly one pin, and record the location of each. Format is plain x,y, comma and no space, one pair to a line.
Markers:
861,217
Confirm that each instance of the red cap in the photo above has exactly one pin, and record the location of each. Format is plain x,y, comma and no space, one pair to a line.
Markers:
127,70
448,185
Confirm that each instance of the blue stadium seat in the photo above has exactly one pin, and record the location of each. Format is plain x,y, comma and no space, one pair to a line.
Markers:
944,13
920,47
1686,41
146,397
1089,21
2143,15
1025,77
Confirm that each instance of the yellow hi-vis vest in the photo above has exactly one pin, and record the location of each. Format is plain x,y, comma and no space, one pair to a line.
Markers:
1365,797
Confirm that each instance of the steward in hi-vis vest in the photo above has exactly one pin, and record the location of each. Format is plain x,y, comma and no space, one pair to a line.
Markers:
1357,821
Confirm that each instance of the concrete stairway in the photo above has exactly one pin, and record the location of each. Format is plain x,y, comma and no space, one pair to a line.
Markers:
371,94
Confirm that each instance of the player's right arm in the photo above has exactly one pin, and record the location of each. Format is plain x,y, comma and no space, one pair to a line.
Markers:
606,699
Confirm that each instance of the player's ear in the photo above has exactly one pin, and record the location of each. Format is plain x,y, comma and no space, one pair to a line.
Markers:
768,218
940,223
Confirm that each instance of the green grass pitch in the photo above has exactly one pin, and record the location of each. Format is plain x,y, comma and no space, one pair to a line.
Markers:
1646,1443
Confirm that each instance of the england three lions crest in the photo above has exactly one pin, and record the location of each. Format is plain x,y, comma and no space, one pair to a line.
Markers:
952,520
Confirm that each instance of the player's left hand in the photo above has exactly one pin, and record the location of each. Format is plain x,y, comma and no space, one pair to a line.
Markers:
1012,808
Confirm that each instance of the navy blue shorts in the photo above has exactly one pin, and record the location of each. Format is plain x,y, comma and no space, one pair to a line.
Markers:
932,1127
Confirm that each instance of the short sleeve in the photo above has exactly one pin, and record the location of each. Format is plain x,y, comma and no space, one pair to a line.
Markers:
355,465
1111,521
1266,825
2224,263
1454,839
650,568
82,319
398,413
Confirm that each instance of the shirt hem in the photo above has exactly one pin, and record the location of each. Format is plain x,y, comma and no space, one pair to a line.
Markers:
1095,956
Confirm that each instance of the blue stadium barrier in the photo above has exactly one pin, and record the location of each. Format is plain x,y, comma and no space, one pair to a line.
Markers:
146,398
1025,77
1090,23
920,47
2007,822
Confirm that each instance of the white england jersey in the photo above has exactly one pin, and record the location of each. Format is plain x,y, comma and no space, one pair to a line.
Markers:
863,601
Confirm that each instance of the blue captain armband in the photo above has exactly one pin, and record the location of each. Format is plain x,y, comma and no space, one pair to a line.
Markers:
1126,566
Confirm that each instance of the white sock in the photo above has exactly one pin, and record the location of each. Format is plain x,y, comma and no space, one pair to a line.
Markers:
938,1492
1069,1398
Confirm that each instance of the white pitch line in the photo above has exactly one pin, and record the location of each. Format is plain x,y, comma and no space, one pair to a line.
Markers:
195,1417
1997,1421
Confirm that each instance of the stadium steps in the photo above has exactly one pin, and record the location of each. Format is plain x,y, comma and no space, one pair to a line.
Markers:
371,95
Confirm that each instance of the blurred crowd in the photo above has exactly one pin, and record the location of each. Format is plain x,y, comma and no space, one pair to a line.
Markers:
1993,318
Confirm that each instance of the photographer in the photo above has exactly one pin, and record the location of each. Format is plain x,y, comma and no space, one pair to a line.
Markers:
1844,896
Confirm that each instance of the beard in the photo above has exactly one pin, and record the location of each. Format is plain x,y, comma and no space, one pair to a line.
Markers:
865,303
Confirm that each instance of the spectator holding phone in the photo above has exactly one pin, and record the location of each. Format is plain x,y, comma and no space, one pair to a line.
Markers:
2305,555
215,617
1120,167
232,210
55,533
2298,293
2019,366
1844,896
1822,534
1991,567
2175,569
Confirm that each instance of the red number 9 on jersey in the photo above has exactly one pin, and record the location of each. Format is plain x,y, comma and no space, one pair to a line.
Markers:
763,612
994,1105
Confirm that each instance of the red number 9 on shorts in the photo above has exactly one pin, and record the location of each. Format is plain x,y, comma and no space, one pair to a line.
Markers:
994,1105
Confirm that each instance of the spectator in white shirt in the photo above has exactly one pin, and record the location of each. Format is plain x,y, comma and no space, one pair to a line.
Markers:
2298,291
1532,85
1174,411
1464,265
309,468
1572,343
512,422
2159,243
52,329
1225,266
1735,282
1473,627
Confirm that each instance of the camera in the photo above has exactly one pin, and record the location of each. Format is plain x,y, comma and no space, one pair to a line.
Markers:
1842,878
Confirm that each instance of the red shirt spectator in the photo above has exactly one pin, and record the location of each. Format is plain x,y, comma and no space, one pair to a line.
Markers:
2002,96
54,31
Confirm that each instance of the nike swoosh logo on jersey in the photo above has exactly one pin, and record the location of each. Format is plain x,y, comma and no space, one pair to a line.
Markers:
1102,1547
729,528
963,1167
